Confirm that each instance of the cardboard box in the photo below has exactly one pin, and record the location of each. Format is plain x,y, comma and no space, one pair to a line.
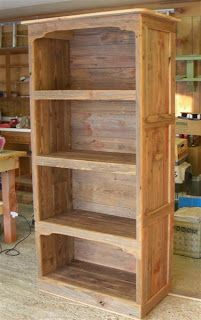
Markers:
192,127
181,150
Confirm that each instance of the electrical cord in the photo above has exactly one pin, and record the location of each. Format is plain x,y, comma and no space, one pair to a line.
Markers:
13,251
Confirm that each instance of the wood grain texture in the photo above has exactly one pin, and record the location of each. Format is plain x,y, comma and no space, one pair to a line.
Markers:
112,194
156,157
58,197
84,95
182,8
101,287
109,193
52,54
17,138
9,204
112,59
114,256
90,160
105,282
54,134
11,154
56,251
97,278
95,125
1,207
104,126
142,11
93,226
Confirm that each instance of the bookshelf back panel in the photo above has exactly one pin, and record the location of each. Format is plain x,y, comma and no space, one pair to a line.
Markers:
107,193
104,126
108,126
60,250
100,192
114,257
100,58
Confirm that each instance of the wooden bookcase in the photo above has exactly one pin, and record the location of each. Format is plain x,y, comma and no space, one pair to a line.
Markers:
102,111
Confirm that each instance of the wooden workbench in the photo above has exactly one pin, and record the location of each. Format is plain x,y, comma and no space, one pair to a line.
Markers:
9,162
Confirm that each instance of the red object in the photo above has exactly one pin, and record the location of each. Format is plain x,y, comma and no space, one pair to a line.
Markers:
14,122
5,125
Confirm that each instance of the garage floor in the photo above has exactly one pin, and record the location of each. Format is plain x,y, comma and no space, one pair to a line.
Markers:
187,276
21,300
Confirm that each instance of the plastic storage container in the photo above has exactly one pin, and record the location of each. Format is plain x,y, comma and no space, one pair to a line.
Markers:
187,232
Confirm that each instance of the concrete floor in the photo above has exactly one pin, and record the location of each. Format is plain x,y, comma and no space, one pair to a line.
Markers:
20,298
186,276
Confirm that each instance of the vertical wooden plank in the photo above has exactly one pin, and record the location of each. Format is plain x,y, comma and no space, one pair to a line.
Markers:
64,250
140,35
54,252
9,204
155,255
53,124
157,158
197,50
47,257
8,79
51,59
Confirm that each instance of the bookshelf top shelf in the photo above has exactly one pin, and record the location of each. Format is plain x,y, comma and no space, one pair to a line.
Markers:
144,11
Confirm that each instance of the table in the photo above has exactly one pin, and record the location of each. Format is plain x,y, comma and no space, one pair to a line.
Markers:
9,162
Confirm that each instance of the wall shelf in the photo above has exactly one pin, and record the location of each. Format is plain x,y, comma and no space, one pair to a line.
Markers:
13,50
15,130
189,77
15,98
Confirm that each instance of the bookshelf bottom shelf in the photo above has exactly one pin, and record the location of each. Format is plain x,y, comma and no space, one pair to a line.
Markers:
96,285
